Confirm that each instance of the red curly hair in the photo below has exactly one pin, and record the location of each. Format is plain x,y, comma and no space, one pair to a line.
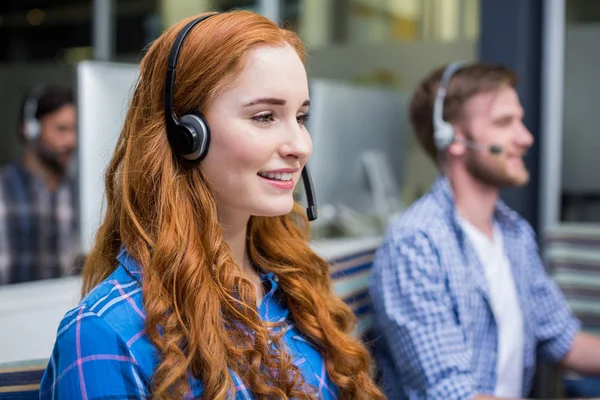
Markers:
165,215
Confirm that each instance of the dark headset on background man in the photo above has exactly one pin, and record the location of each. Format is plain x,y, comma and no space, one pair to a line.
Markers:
189,136
443,131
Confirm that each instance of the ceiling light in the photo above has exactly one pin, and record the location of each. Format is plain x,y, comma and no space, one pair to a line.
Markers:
35,16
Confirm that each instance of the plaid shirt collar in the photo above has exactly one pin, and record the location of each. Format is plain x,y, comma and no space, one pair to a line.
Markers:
507,219
443,193
132,267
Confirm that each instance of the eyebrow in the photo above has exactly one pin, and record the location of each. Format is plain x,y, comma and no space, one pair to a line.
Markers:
507,116
272,101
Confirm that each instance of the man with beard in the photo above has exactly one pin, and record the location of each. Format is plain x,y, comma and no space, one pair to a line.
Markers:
38,238
462,302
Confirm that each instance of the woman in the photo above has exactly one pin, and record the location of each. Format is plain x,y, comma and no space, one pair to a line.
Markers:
201,282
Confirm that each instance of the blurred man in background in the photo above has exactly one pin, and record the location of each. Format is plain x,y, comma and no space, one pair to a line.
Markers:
462,302
38,238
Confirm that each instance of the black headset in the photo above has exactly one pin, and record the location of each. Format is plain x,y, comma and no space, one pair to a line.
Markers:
189,136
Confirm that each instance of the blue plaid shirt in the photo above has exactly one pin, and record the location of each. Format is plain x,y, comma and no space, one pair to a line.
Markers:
38,227
437,337
101,350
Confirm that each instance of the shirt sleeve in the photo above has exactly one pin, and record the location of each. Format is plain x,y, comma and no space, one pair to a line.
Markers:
91,361
556,326
413,306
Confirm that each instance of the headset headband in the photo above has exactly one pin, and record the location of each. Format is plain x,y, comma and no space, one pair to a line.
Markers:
170,117
438,108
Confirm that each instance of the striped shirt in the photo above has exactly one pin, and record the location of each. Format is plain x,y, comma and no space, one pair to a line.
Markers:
38,227
101,349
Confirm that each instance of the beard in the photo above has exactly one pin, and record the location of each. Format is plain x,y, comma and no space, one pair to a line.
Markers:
494,173
51,158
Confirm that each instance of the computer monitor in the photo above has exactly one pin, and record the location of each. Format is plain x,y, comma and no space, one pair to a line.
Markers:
349,122
104,91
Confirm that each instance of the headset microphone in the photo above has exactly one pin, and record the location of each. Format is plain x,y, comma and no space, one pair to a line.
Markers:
189,134
311,210
493,149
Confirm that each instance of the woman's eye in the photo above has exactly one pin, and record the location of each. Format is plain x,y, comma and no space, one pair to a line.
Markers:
302,119
264,118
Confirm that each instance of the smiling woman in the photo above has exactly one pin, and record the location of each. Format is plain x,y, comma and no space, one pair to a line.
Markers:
261,132
201,282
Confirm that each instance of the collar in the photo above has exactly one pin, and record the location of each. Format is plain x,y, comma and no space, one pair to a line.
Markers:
130,265
444,195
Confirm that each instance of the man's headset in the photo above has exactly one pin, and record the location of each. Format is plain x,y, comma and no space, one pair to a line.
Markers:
31,125
443,131
189,136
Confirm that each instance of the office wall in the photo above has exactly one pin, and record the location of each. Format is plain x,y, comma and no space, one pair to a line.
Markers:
581,140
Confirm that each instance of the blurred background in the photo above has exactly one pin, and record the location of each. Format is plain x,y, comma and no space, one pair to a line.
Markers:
365,58
371,43
389,44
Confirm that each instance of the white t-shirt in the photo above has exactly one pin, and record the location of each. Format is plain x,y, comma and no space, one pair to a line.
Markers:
505,307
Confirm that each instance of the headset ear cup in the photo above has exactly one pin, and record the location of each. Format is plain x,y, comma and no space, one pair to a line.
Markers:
32,127
37,129
194,137
32,130
444,136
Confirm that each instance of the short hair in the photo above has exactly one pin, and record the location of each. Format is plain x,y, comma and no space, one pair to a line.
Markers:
468,81
48,98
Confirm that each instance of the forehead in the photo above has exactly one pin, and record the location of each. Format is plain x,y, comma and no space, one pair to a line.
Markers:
499,103
271,71
64,111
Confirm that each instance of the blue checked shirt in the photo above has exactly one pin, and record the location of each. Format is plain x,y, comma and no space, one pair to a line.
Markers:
101,351
437,337
38,227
